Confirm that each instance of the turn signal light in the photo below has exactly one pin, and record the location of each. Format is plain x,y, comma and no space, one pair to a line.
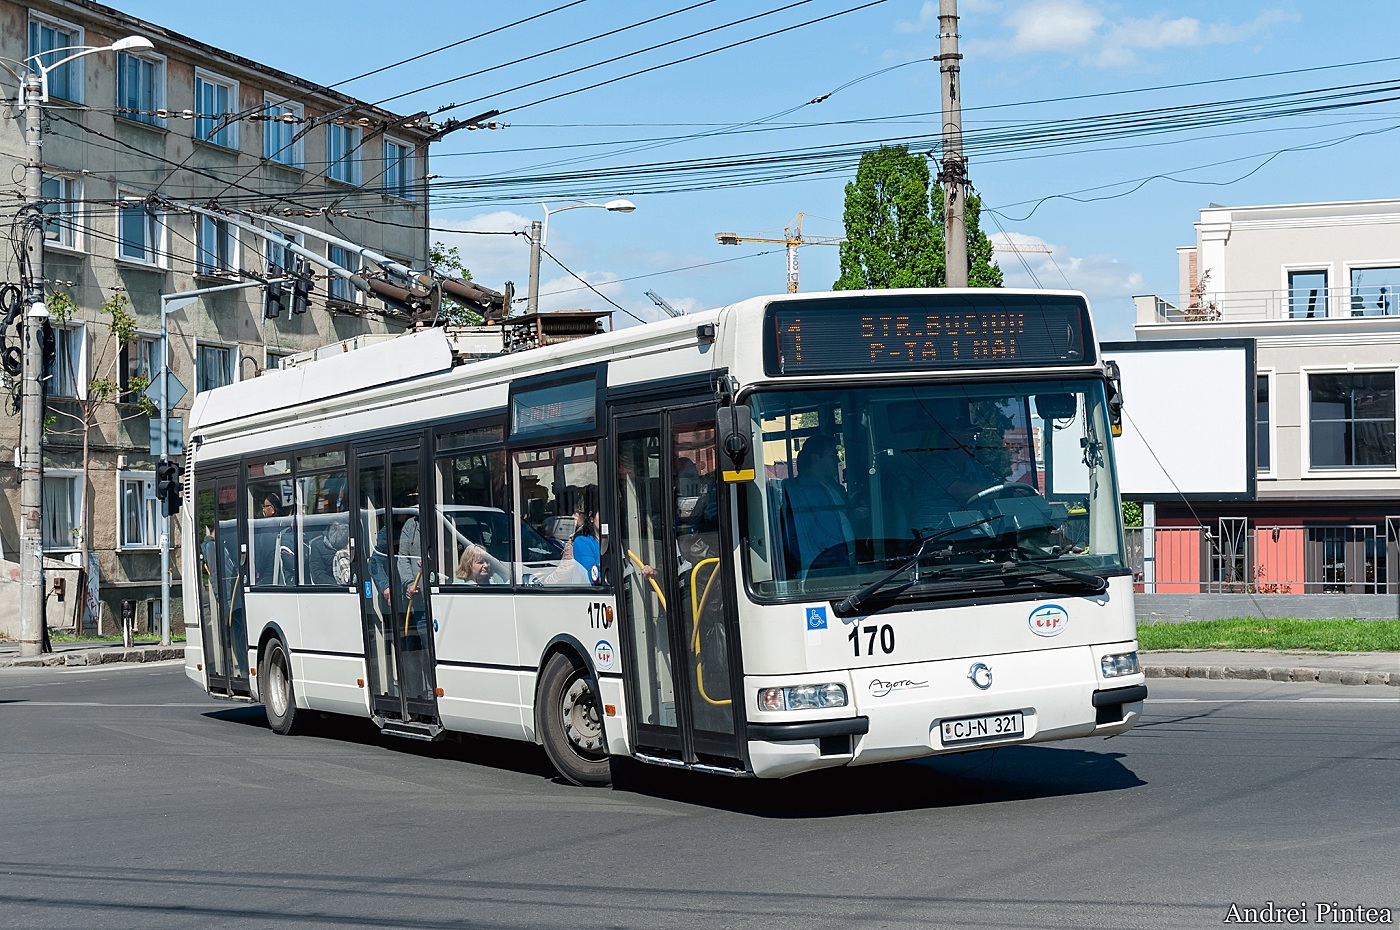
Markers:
610,710
199,666
439,692
359,682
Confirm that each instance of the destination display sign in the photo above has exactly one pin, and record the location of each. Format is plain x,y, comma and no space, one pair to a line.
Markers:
925,332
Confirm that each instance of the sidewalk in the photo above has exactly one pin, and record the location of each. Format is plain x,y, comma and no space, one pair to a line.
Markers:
90,653
1333,668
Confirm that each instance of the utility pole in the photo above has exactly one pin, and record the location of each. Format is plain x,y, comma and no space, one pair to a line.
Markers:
953,175
31,452
533,301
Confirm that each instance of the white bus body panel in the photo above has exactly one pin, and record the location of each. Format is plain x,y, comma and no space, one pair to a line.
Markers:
482,694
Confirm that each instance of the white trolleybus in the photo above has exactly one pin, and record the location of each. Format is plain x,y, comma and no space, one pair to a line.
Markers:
794,533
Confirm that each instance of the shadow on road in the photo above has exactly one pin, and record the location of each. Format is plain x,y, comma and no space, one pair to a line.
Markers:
1013,773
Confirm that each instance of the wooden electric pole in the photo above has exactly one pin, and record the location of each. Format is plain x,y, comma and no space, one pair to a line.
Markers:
953,175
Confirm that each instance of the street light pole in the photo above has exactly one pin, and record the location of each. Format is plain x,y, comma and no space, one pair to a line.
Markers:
540,232
31,452
35,90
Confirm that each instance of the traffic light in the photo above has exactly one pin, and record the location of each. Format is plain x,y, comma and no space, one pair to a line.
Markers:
168,486
302,284
272,305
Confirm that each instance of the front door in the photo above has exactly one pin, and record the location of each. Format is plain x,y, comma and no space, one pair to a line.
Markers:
392,551
221,574
673,594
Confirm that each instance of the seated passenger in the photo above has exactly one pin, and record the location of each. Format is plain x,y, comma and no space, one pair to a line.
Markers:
321,557
477,566
587,549
820,521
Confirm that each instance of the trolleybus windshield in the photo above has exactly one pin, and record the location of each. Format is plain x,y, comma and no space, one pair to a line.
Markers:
1012,478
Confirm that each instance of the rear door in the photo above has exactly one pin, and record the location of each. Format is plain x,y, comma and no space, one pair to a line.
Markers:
222,570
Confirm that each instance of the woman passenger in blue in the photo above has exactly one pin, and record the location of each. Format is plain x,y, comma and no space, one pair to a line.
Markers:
587,548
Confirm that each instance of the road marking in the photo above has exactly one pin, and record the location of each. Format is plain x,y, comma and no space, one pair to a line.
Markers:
123,667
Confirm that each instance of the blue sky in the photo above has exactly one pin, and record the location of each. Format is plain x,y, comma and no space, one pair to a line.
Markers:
1117,239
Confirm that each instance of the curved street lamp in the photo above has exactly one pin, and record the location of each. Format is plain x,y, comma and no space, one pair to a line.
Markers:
539,232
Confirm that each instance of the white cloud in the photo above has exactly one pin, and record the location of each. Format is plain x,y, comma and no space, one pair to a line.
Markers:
1108,281
1080,28
928,15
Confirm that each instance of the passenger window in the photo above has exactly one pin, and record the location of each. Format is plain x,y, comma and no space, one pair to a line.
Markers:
324,516
474,522
557,506
271,524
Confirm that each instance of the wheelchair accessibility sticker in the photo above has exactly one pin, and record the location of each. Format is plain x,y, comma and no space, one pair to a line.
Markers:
816,618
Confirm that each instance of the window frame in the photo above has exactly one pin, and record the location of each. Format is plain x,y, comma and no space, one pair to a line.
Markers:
1351,268
270,353
407,187
69,220
228,236
354,262
231,349
132,356
1267,471
154,252
150,510
1292,268
74,68
1306,423
293,154
230,130
66,334
352,156
159,89
75,476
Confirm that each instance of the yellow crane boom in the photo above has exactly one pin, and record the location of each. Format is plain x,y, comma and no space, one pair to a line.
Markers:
792,238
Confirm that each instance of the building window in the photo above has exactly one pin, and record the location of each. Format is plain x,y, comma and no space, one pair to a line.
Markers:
140,362
45,35
139,231
1352,420
214,100
1373,291
63,504
343,153
1261,423
275,358
66,373
62,208
140,87
281,139
217,246
1307,294
213,367
398,169
340,289
137,506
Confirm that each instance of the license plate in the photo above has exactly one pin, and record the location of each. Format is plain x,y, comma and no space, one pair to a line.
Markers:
989,727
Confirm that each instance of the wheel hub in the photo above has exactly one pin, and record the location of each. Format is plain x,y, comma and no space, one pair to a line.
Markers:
582,724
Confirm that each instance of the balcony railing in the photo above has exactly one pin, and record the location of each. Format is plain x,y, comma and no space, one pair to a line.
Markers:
1262,306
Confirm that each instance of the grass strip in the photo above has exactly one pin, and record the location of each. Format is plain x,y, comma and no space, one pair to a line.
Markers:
1287,633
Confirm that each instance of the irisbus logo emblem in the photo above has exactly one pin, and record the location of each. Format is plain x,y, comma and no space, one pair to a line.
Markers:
1049,620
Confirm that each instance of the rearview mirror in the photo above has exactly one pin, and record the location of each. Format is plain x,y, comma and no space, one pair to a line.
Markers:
1056,406
735,445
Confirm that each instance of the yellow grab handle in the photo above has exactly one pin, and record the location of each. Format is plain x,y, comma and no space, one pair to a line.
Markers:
654,586
696,603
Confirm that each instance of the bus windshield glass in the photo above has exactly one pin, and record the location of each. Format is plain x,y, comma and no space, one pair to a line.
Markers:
944,489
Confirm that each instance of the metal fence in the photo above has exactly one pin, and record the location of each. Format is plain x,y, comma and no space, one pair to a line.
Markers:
1236,557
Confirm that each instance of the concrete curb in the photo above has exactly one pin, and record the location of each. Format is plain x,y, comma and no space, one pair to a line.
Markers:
97,657
1326,676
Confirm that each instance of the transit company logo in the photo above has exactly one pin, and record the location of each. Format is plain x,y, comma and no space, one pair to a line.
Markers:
1049,620
603,655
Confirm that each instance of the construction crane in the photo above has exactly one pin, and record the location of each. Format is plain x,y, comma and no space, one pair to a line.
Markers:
665,307
792,238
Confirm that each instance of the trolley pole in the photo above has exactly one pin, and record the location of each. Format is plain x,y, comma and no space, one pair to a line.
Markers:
953,175
31,451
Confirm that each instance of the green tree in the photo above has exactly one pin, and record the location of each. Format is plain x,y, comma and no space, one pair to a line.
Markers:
894,227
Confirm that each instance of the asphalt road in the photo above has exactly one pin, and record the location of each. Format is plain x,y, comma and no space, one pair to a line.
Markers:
133,801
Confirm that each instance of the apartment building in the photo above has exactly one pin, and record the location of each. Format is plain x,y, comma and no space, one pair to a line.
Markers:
1315,286
128,138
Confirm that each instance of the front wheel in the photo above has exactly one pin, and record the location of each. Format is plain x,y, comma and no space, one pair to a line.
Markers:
275,688
571,723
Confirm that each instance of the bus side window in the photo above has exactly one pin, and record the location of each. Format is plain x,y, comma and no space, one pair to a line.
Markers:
473,511
558,510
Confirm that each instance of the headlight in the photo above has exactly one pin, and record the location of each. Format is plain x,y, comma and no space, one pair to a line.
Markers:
802,697
1122,663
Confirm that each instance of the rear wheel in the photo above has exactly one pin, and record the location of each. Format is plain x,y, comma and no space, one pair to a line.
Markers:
275,688
571,723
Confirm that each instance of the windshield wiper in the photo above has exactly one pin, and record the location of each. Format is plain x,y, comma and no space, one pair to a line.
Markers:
1095,583
852,603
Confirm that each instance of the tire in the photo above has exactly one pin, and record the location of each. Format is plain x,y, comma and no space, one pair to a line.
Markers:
275,688
571,723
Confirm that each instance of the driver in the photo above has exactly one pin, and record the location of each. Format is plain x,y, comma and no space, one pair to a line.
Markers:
947,474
